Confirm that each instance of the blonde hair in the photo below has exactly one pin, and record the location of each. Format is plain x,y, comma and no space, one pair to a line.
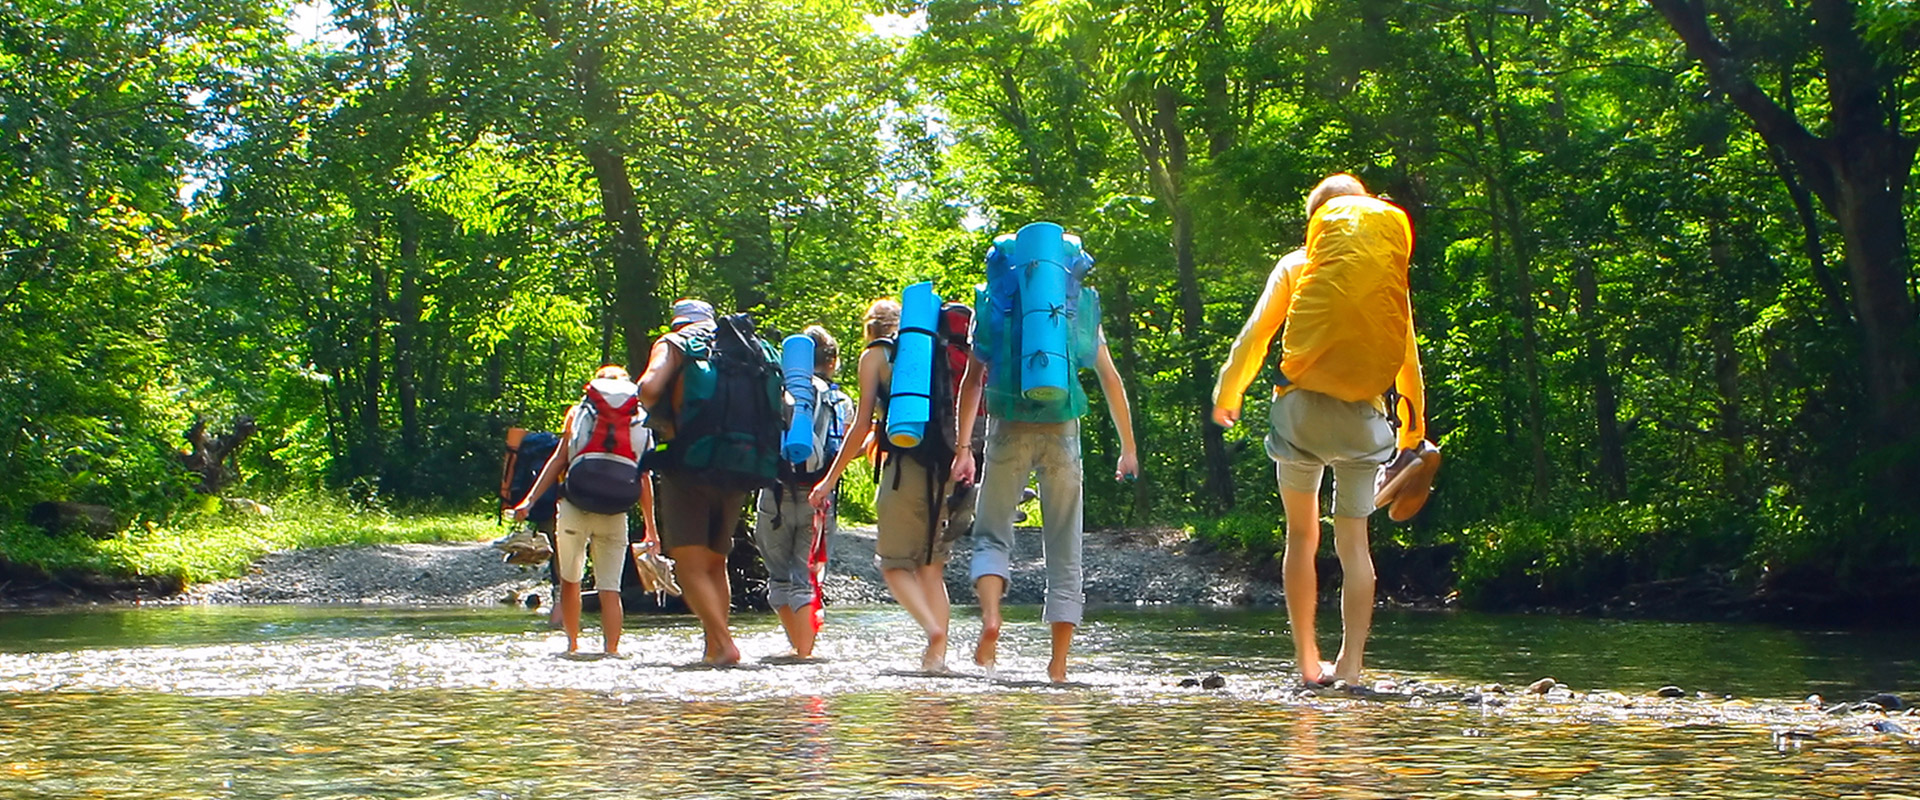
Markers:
826,351
613,371
1338,185
883,318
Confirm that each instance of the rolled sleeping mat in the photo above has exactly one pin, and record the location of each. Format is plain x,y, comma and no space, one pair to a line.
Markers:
911,404
796,371
1040,255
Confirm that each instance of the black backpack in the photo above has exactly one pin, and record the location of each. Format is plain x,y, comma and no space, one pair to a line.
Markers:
532,454
952,345
726,429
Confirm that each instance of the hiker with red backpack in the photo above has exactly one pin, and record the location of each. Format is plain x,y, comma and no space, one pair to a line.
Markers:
712,392
1349,371
913,483
788,530
597,466
1038,326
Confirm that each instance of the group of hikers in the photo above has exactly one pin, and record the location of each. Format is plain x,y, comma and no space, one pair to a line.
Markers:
718,414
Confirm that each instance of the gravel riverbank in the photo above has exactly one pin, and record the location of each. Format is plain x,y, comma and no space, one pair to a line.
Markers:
1154,566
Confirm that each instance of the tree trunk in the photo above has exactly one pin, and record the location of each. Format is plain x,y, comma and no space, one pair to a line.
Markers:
406,319
368,451
1164,147
1612,468
636,273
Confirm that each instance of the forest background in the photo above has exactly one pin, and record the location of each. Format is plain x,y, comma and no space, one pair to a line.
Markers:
1661,278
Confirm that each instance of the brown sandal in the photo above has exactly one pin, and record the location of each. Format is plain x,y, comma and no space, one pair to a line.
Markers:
1408,482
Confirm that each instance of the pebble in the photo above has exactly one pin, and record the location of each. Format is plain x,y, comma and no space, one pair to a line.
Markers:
1214,681
1888,701
1541,686
1671,691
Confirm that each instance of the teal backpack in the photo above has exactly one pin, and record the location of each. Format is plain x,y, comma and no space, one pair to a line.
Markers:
726,407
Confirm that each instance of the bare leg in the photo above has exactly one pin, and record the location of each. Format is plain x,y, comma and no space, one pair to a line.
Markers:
1356,594
610,619
933,583
798,623
570,613
1062,641
989,589
703,582
1301,579
911,591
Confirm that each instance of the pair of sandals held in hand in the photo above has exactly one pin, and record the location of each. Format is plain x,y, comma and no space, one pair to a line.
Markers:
1408,481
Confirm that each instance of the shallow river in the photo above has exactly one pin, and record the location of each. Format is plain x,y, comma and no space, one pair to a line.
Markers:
337,702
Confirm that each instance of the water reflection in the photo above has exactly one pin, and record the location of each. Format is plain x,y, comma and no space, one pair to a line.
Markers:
434,743
473,703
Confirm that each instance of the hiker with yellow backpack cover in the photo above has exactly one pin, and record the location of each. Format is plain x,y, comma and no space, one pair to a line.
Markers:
1349,373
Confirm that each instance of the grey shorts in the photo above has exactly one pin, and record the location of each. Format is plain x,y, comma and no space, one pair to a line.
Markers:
1312,431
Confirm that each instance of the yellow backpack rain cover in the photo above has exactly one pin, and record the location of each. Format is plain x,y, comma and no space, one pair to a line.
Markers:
1346,329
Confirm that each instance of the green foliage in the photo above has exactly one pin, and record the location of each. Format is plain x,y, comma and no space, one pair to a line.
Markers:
1639,334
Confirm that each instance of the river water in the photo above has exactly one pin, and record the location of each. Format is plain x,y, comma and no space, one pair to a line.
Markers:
348,702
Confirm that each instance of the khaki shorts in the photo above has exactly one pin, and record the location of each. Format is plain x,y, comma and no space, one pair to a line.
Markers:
1312,431
576,533
903,513
696,514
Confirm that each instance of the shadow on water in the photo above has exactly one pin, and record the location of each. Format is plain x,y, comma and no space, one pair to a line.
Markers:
383,702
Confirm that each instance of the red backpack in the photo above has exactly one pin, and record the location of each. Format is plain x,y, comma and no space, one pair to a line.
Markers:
607,438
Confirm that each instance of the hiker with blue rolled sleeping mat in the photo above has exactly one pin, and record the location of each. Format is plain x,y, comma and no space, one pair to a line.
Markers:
1349,367
788,530
1038,326
597,465
901,362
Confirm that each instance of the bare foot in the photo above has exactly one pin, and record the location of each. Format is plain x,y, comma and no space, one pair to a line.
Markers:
1057,670
727,656
935,658
1342,672
987,651
1325,678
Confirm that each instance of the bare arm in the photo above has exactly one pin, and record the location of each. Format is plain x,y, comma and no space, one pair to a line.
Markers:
663,365
971,386
871,363
1122,412
1250,347
651,535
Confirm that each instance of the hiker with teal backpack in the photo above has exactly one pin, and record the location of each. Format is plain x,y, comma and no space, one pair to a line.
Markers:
1349,374
597,465
907,401
1038,326
712,390
787,528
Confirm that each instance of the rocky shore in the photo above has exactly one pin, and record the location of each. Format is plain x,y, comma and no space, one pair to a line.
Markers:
1152,566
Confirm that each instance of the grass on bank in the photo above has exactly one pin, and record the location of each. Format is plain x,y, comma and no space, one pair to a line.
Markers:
217,543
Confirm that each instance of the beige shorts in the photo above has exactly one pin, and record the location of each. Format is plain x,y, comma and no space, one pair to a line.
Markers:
1311,432
903,513
576,533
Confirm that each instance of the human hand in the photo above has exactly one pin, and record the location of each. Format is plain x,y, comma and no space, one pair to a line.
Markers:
1225,417
518,513
821,495
1128,468
963,466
